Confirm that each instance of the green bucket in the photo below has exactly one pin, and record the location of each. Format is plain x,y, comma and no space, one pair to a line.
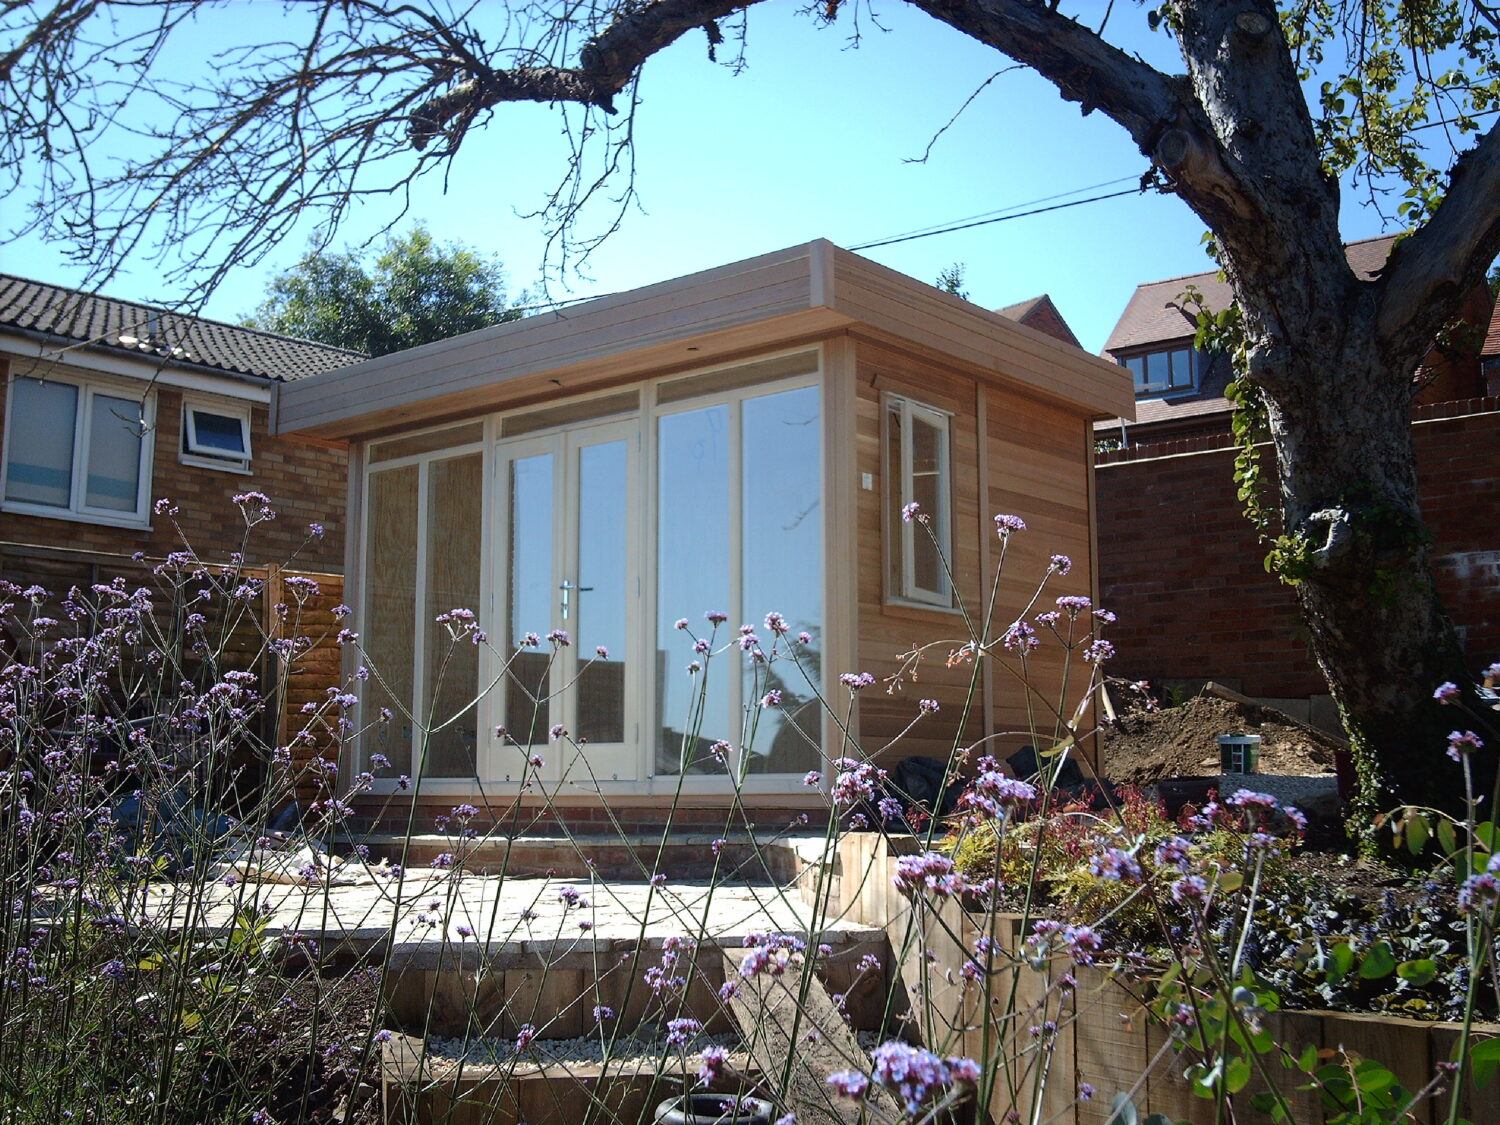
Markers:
1239,753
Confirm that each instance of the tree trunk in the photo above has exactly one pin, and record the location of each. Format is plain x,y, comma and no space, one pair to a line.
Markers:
1358,555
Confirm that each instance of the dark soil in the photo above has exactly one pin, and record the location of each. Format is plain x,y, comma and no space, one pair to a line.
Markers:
1146,746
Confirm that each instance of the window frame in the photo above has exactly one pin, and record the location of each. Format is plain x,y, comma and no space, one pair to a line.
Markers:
1196,363
193,452
902,587
77,509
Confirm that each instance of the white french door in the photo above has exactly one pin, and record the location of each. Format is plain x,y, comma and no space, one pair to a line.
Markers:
569,560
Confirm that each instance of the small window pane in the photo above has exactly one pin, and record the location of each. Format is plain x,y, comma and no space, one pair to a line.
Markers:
218,434
114,469
40,457
1182,368
1137,366
1157,371
928,459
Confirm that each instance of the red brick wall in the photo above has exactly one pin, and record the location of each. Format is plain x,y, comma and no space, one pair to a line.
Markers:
306,480
1182,568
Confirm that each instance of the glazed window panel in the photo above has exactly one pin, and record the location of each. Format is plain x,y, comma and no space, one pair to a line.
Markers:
782,571
39,457
918,467
693,553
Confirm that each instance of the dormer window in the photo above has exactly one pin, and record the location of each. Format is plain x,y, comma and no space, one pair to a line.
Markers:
1166,372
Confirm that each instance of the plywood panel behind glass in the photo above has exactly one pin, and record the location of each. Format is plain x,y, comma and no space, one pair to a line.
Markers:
390,612
782,560
454,510
692,578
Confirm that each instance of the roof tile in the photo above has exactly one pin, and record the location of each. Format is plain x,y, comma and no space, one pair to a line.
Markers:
1156,315
128,328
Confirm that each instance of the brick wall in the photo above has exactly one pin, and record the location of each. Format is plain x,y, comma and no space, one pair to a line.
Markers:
1182,568
306,480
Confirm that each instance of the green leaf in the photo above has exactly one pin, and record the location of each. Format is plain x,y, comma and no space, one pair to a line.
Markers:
1237,1073
1308,1061
1378,961
1158,1119
1341,960
1484,1058
1418,973
1122,1111
1447,837
1488,835
1417,833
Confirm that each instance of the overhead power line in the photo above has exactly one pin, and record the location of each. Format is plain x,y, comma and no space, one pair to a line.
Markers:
996,219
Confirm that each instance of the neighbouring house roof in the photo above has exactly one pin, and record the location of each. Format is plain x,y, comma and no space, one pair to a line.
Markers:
789,297
1156,314
1040,313
1491,349
144,332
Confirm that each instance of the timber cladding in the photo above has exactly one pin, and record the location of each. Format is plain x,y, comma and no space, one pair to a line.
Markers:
1032,462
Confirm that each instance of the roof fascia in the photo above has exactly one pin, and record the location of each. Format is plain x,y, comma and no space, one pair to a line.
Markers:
83,357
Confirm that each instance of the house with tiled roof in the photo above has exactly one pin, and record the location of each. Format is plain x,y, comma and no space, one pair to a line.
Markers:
1182,566
109,405
1180,390
1040,313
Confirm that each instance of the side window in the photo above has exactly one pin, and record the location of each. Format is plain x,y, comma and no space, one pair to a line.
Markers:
74,449
216,436
917,471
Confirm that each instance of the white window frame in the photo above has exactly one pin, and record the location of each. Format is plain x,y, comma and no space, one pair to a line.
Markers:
204,456
77,511
901,537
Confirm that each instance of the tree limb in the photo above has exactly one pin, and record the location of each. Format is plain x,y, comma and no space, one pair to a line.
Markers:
607,63
1449,254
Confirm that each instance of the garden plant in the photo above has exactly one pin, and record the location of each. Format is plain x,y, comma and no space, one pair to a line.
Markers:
174,945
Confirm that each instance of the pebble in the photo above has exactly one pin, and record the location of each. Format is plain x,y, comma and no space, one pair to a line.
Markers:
1317,795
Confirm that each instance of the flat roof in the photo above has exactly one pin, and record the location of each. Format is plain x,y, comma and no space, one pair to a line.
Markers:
800,294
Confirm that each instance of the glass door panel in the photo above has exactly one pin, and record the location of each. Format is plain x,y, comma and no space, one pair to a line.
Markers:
602,537
571,564
529,560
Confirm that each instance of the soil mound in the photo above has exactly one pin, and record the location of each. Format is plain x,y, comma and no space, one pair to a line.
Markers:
1146,746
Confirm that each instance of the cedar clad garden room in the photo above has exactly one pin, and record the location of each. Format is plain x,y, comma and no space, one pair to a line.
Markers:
740,442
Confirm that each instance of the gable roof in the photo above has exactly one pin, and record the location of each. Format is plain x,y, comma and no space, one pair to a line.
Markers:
1491,347
144,332
1156,315
1040,313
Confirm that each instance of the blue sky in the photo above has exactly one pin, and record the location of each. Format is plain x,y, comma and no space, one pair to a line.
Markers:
814,139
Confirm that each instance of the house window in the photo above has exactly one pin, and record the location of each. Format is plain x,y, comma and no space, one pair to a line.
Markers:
216,437
917,471
75,449
1158,373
